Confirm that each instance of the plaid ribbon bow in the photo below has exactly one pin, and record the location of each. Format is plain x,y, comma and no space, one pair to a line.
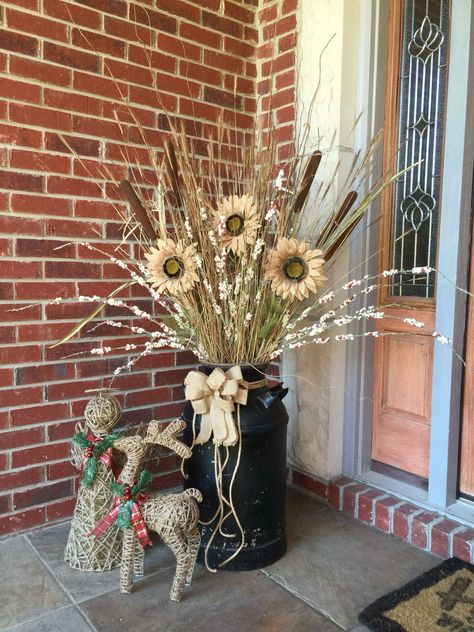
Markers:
127,513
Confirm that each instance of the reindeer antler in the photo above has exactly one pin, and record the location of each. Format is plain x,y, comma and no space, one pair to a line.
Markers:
167,437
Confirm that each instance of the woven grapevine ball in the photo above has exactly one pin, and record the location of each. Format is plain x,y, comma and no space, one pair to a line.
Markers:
102,411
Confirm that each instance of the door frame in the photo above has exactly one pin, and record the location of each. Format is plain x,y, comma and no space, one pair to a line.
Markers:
454,236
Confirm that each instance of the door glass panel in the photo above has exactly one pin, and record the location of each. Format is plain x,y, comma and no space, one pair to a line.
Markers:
420,133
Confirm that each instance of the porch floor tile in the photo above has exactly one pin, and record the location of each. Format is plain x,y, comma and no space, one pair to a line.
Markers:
50,544
233,602
339,565
27,589
334,567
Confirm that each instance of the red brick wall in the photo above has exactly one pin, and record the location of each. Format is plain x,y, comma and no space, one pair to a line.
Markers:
56,59
56,66
276,55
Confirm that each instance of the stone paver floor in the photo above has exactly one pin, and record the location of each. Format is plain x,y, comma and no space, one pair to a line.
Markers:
334,567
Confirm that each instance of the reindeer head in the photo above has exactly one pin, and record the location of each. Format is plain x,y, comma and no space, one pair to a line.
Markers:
167,437
133,447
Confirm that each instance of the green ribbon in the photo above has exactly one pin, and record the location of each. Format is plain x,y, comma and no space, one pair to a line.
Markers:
97,449
124,518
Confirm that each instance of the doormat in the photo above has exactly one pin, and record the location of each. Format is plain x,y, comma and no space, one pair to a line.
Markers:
440,600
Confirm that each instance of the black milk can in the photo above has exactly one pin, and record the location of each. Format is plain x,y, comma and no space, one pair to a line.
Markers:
258,491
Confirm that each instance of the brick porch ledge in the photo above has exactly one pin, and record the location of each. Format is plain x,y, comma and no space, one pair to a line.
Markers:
427,530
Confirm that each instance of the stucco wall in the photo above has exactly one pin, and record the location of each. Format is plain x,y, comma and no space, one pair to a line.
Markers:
316,374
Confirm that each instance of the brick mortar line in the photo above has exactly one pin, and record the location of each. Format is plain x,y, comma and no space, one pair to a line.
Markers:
65,321
69,218
73,240
451,535
120,353
373,509
158,369
342,489
87,379
70,419
115,353
356,502
79,359
129,144
128,409
391,514
56,174
44,322
83,158
24,468
429,528
77,158
135,104
70,477
50,503
64,279
104,58
70,89
410,519
78,417
180,19
46,259
142,389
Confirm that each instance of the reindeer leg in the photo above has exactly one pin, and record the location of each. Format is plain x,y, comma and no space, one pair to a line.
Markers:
138,559
126,577
194,540
177,543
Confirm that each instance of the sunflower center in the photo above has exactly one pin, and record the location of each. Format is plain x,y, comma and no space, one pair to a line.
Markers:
295,269
235,225
173,267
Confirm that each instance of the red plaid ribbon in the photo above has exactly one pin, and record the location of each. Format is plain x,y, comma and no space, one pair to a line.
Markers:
107,520
106,458
138,523
139,526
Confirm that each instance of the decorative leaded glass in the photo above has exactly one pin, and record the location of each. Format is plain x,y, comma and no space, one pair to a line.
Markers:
420,133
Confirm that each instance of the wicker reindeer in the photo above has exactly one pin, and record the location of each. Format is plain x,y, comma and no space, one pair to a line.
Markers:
173,516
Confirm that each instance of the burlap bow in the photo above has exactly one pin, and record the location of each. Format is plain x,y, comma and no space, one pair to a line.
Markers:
214,398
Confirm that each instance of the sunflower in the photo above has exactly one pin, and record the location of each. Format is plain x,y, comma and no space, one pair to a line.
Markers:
240,220
171,267
294,270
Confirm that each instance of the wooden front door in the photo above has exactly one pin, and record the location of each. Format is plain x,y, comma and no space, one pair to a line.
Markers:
414,122
466,472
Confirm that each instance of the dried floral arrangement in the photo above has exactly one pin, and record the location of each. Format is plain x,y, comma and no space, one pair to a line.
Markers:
231,261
